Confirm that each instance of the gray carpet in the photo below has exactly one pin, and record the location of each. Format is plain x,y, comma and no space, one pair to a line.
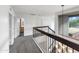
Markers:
24,45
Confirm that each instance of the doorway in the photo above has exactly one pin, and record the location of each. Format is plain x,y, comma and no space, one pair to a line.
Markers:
10,27
21,27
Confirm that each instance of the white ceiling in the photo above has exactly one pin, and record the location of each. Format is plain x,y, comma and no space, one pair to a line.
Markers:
39,9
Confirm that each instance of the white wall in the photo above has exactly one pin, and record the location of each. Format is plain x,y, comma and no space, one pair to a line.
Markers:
5,40
48,21
31,21
11,25
4,28
35,20
16,25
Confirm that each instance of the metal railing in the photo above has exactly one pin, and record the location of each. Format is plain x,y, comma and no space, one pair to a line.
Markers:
49,42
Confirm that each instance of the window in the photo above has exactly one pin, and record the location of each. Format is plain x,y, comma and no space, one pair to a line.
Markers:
74,27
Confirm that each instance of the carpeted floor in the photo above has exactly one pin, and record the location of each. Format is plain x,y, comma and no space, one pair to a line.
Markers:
24,45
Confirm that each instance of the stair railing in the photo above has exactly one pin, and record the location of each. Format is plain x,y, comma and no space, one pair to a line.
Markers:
57,43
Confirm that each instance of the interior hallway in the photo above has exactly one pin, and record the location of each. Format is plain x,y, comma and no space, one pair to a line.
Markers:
24,45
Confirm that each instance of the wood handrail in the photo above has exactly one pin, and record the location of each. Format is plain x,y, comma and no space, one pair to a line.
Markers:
40,27
65,40
44,27
51,29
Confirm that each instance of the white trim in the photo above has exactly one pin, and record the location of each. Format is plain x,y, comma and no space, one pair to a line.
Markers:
38,46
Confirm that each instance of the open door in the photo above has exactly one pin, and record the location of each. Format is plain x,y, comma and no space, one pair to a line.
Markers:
21,27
